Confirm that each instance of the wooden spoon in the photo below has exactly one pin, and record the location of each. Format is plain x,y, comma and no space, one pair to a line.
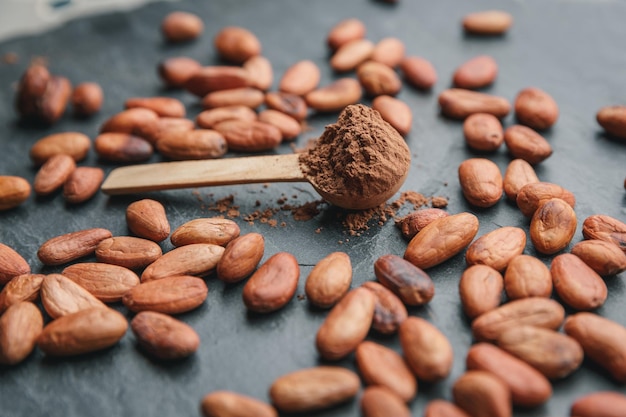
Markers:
246,170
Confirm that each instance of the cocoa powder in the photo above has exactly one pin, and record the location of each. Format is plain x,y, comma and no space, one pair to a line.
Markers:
360,155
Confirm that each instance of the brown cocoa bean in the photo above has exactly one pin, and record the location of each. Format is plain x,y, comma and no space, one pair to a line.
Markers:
289,127
335,96
215,78
553,354
53,174
483,132
389,312
61,296
300,78
381,366
260,72
599,404
488,22
533,311
601,340
208,230
236,44
578,285
244,136
426,350
481,182
52,105
87,99
395,112
176,71
329,280
529,388
166,125
146,218
389,51
497,248
314,389
412,223
532,195
122,147
613,120
196,259
138,121
13,191
194,144
351,54
458,103
73,144
273,285
441,408
380,402
12,264
170,295
231,404
209,118
478,72
607,228
164,337
82,184
244,96
347,324
127,251
241,257
482,394
108,283
518,174
536,109
480,289
552,226
345,31
181,27
23,287
410,283
82,332
441,240
378,79
290,104
524,143
20,326
526,276
30,90
162,106
71,246
603,257
419,72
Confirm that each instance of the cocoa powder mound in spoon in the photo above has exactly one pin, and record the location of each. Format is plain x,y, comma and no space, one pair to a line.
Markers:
360,158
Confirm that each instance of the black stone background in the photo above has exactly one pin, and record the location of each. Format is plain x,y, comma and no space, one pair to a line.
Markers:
573,49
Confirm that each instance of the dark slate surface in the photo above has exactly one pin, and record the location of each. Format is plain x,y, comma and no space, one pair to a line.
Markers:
572,49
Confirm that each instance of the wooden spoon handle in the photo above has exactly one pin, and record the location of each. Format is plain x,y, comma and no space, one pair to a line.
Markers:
189,174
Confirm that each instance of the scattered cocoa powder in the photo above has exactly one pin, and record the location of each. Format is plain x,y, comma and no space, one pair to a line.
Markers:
439,202
358,157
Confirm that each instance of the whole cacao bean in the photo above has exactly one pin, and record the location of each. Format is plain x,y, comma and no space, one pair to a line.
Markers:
410,283
181,27
335,96
603,257
13,191
577,285
164,337
241,256
389,312
481,182
441,240
524,143
482,394
236,44
478,72
480,288
12,264
458,103
483,132
300,78
71,246
613,120
536,109
412,223
395,112
532,311
526,276
497,248
518,174
381,402
552,226
20,326
231,404
532,195
607,228
329,280
419,72
488,22
146,218
346,325
426,350
389,51
599,404
382,366
273,285
601,339
345,31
